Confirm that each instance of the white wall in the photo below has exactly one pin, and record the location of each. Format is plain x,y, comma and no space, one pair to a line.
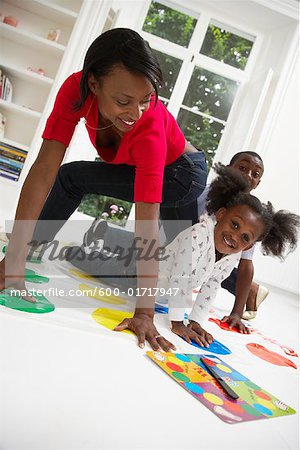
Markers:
280,183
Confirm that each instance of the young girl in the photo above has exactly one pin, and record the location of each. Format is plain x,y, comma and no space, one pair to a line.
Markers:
145,158
235,221
205,254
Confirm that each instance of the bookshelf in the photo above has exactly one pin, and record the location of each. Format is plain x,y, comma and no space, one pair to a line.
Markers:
27,46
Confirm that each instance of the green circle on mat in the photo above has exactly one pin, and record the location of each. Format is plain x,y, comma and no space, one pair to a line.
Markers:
42,305
34,260
252,385
33,277
250,410
180,376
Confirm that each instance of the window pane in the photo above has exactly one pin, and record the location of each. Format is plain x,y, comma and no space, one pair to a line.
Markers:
169,24
210,93
202,132
226,47
108,208
170,67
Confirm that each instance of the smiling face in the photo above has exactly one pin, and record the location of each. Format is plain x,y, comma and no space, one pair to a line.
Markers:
251,168
237,229
122,97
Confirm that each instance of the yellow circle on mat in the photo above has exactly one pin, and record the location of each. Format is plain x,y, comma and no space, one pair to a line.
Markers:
97,294
267,403
80,274
212,398
175,360
110,318
223,368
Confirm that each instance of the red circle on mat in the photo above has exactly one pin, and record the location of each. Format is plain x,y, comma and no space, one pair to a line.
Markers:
262,395
223,325
209,362
269,356
174,367
233,406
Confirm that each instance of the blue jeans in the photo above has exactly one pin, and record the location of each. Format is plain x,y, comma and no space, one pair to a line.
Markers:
230,283
184,180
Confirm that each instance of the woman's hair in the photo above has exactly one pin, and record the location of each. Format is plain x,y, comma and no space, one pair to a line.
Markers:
281,228
119,46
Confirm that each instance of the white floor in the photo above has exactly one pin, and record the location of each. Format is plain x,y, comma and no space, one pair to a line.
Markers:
69,384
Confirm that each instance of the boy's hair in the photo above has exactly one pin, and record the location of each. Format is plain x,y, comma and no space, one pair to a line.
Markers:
281,228
246,152
119,46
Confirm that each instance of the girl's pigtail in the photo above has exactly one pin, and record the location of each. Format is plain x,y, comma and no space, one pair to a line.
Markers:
228,184
282,236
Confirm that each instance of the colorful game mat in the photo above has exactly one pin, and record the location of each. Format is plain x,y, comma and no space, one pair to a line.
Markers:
254,403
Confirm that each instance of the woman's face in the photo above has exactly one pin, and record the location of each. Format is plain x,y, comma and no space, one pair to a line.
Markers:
237,229
122,97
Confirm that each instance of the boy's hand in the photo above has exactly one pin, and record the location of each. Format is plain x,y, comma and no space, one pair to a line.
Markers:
192,331
234,320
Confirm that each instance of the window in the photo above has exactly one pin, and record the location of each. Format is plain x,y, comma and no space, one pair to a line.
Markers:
169,24
205,109
227,47
170,68
202,71
107,208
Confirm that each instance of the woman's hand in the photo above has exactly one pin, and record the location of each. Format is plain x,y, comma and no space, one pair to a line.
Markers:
142,325
15,281
192,331
234,320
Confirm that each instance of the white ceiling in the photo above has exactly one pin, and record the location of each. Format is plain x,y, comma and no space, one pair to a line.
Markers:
264,14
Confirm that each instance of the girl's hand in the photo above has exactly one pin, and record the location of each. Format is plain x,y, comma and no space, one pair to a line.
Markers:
142,325
192,331
234,320
15,281
203,336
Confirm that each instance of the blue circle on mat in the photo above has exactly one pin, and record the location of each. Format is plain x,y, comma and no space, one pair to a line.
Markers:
195,388
236,376
262,409
182,357
215,347
160,309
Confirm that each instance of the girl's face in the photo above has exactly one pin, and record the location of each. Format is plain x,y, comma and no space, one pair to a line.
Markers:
237,229
122,97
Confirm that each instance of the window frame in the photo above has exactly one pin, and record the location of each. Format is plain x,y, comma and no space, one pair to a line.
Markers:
191,57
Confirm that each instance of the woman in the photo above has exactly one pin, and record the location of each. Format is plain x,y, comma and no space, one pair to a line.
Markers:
144,158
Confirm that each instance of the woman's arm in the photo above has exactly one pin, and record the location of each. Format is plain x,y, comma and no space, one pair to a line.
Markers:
147,263
32,198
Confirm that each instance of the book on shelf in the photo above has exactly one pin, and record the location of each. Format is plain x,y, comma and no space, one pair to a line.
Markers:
11,161
6,87
8,176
